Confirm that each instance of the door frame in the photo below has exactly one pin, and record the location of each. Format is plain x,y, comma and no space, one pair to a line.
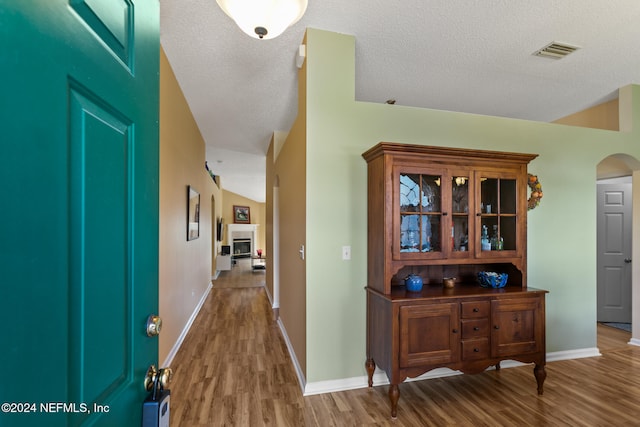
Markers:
628,165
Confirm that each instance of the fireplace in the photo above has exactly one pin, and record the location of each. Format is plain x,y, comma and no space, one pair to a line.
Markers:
241,248
242,239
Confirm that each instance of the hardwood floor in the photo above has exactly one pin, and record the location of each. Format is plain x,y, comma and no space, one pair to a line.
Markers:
234,370
241,275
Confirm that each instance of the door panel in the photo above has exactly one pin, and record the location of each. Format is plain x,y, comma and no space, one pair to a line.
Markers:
614,253
100,340
80,229
112,22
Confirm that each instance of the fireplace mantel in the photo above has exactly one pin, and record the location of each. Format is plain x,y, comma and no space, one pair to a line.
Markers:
234,228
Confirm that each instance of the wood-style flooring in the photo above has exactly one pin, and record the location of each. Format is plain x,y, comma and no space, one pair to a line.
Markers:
234,370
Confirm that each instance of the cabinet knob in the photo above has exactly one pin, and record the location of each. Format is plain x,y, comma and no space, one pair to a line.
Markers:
476,350
475,328
476,309
478,214
455,331
496,327
445,213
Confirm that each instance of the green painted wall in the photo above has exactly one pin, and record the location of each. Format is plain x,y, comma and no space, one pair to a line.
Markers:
562,237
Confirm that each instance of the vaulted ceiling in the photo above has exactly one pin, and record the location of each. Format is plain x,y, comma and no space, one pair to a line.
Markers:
471,56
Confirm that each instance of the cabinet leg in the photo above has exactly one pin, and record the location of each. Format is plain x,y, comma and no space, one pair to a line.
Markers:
540,374
394,396
498,366
370,366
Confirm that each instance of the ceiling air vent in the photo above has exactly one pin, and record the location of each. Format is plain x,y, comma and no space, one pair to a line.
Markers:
556,50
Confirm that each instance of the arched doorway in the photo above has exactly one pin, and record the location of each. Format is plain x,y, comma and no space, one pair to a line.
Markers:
616,286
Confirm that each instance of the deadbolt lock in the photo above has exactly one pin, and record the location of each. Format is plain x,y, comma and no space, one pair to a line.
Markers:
154,325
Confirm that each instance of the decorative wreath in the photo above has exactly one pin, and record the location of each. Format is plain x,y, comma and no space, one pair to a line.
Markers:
536,192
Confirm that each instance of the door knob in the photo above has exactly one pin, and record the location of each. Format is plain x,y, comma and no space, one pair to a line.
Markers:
627,260
158,377
154,325
165,375
150,377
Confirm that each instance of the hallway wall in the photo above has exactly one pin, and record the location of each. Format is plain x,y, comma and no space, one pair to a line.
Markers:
185,266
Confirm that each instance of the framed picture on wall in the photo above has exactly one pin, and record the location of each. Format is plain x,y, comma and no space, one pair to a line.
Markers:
193,213
241,215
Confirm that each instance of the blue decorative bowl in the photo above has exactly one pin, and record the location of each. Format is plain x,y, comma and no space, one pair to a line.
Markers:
413,282
490,279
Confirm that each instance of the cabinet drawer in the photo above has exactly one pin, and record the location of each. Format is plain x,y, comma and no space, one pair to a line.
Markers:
475,349
474,309
475,328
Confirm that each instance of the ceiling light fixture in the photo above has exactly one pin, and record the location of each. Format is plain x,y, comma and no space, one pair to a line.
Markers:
264,19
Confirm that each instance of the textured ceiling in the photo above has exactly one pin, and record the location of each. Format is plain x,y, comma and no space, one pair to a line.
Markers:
472,56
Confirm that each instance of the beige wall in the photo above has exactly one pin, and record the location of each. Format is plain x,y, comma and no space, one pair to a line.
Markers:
268,231
603,116
290,167
288,173
184,266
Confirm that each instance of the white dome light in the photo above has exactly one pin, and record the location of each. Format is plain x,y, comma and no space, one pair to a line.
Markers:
264,19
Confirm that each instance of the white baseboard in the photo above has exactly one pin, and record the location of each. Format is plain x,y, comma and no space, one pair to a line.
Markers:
185,330
380,378
301,380
573,354
634,341
269,297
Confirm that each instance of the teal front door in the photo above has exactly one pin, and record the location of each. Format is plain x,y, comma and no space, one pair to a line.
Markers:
79,209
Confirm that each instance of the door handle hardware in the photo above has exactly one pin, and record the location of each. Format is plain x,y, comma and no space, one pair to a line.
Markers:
165,375
154,375
627,260
150,377
154,325
157,380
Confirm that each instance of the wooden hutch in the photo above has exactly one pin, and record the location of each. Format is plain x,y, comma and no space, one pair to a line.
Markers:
446,212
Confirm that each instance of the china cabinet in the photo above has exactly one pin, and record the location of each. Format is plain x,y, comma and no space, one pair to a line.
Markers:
440,213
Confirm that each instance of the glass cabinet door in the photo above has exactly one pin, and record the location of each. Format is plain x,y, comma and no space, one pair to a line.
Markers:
460,213
498,229
420,213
